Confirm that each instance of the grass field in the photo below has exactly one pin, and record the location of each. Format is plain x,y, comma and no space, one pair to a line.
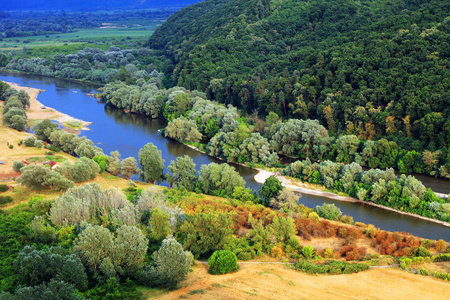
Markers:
80,36
262,281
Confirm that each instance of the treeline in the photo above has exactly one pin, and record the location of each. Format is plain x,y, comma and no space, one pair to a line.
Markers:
382,187
91,162
223,133
362,68
31,23
96,65
15,104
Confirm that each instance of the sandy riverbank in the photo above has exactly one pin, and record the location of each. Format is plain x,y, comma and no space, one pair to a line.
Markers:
296,186
35,112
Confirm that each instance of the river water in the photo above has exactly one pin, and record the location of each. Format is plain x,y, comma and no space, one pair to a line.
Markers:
112,129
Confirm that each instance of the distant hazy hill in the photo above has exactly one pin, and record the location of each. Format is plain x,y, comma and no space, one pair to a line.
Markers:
92,5
368,67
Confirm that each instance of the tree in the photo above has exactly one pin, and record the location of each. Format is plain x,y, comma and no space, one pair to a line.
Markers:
271,189
215,179
13,111
35,267
171,265
17,165
152,164
205,232
54,289
129,250
181,173
159,224
18,122
94,245
38,177
129,167
113,165
182,129
222,262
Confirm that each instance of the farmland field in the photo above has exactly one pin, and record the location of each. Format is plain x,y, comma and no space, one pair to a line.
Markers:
77,37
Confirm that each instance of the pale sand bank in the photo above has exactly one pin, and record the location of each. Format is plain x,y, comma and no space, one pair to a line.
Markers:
295,186
35,112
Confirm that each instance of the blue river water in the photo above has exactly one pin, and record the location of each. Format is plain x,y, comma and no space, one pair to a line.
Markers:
112,129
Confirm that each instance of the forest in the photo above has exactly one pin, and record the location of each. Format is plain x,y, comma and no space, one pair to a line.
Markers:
359,67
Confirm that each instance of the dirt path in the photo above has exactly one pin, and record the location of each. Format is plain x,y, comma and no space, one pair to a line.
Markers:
35,112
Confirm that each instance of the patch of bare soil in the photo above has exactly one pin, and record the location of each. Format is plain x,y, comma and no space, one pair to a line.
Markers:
259,281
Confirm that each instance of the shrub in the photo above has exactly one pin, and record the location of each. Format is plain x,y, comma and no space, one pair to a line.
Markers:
222,262
421,251
17,165
11,146
39,144
5,199
334,267
328,211
426,244
3,188
29,141
441,245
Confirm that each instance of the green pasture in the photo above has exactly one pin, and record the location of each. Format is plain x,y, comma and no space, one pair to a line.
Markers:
77,37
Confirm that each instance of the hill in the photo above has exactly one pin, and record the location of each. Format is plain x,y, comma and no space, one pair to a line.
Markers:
370,68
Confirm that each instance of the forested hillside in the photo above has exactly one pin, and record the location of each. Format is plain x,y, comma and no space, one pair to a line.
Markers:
370,68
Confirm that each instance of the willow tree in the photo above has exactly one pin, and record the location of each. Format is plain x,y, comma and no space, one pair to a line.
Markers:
152,164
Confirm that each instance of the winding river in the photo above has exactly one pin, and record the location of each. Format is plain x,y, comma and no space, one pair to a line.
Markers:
112,129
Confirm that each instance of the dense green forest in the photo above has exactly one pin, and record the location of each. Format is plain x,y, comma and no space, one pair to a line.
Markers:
369,68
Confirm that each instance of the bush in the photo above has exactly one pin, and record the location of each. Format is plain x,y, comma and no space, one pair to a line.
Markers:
334,267
29,141
39,144
11,146
222,262
3,188
5,199
422,252
17,165
328,211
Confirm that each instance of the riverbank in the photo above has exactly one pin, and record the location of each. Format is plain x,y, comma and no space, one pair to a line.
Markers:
296,186
38,111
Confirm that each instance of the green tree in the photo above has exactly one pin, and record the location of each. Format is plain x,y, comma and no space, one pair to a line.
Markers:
159,224
222,262
129,250
38,177
129,167
215,179
181,173
271,189
205,232
18,122
170,266
44,128
35,267
152,164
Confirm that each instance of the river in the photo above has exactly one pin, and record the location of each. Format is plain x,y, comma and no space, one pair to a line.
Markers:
112,129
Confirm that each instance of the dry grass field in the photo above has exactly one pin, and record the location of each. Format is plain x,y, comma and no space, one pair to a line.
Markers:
265,281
